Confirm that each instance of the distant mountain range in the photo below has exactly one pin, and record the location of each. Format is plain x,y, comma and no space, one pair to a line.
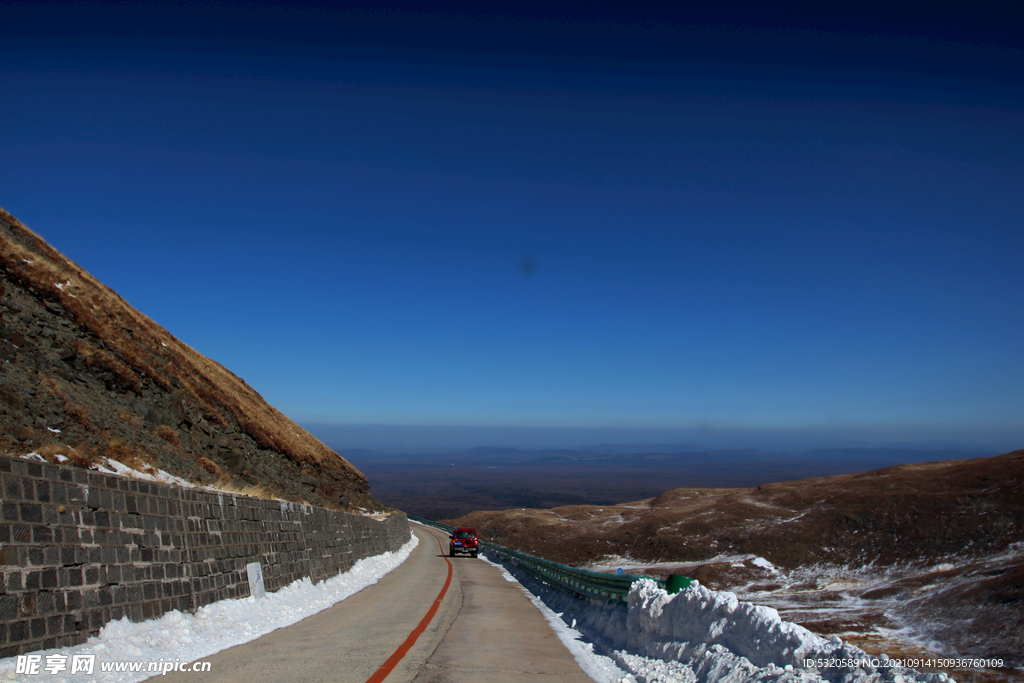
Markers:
448,484
647,448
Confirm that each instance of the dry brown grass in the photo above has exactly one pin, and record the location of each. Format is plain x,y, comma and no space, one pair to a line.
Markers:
168,434
138,347
51,450
82,456
251,490
83,349
210,466
129,417
79,415
74,411
118,450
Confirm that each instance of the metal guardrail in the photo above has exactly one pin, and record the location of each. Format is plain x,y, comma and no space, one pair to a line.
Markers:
582,582
429,522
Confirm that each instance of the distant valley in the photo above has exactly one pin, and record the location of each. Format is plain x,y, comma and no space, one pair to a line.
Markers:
443,485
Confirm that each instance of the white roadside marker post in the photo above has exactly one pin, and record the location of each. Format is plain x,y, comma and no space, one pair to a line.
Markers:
256,589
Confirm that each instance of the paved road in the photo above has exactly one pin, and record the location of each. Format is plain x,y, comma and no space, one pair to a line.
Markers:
484,629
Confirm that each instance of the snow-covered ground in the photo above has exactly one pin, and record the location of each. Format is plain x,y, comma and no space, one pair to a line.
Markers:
215,627
907,611
695,636
700,636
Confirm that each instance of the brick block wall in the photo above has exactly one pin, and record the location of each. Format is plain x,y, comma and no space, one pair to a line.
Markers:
80,548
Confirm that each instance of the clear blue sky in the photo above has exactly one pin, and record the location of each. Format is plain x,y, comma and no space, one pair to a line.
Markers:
576,217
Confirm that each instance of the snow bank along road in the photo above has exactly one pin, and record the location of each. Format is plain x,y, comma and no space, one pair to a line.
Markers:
434,619
484,629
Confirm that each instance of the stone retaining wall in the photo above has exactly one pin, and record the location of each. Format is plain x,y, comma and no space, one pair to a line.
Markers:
79,548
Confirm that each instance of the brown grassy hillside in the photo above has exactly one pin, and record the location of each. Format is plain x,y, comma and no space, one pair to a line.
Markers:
909,513
934,547
86,375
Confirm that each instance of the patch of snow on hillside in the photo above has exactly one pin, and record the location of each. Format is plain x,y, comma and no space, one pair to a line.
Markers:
158,476
108,466
611,563
215,627
704,636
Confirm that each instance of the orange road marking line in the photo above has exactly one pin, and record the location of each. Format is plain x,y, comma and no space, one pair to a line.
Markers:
392,661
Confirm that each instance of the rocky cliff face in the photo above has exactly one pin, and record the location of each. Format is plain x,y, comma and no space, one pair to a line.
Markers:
85,376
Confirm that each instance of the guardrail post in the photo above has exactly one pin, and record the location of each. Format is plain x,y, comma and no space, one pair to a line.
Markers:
676,583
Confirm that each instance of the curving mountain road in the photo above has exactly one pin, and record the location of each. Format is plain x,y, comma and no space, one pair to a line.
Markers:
483,628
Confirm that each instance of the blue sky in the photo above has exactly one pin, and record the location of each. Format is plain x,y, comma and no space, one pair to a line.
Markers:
563,219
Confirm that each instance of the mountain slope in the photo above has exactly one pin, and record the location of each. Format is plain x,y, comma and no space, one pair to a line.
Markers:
85,375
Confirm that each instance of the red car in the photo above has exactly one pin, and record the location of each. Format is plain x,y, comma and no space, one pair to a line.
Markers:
464,541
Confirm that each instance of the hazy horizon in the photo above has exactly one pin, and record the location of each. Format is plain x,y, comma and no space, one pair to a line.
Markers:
410,438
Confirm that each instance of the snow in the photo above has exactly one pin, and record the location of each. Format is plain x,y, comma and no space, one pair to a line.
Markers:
695,636
108,466
610,563
159,476
700,636
600,668
215,627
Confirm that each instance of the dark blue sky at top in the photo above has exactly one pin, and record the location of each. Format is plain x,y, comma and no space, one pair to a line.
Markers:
566,218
